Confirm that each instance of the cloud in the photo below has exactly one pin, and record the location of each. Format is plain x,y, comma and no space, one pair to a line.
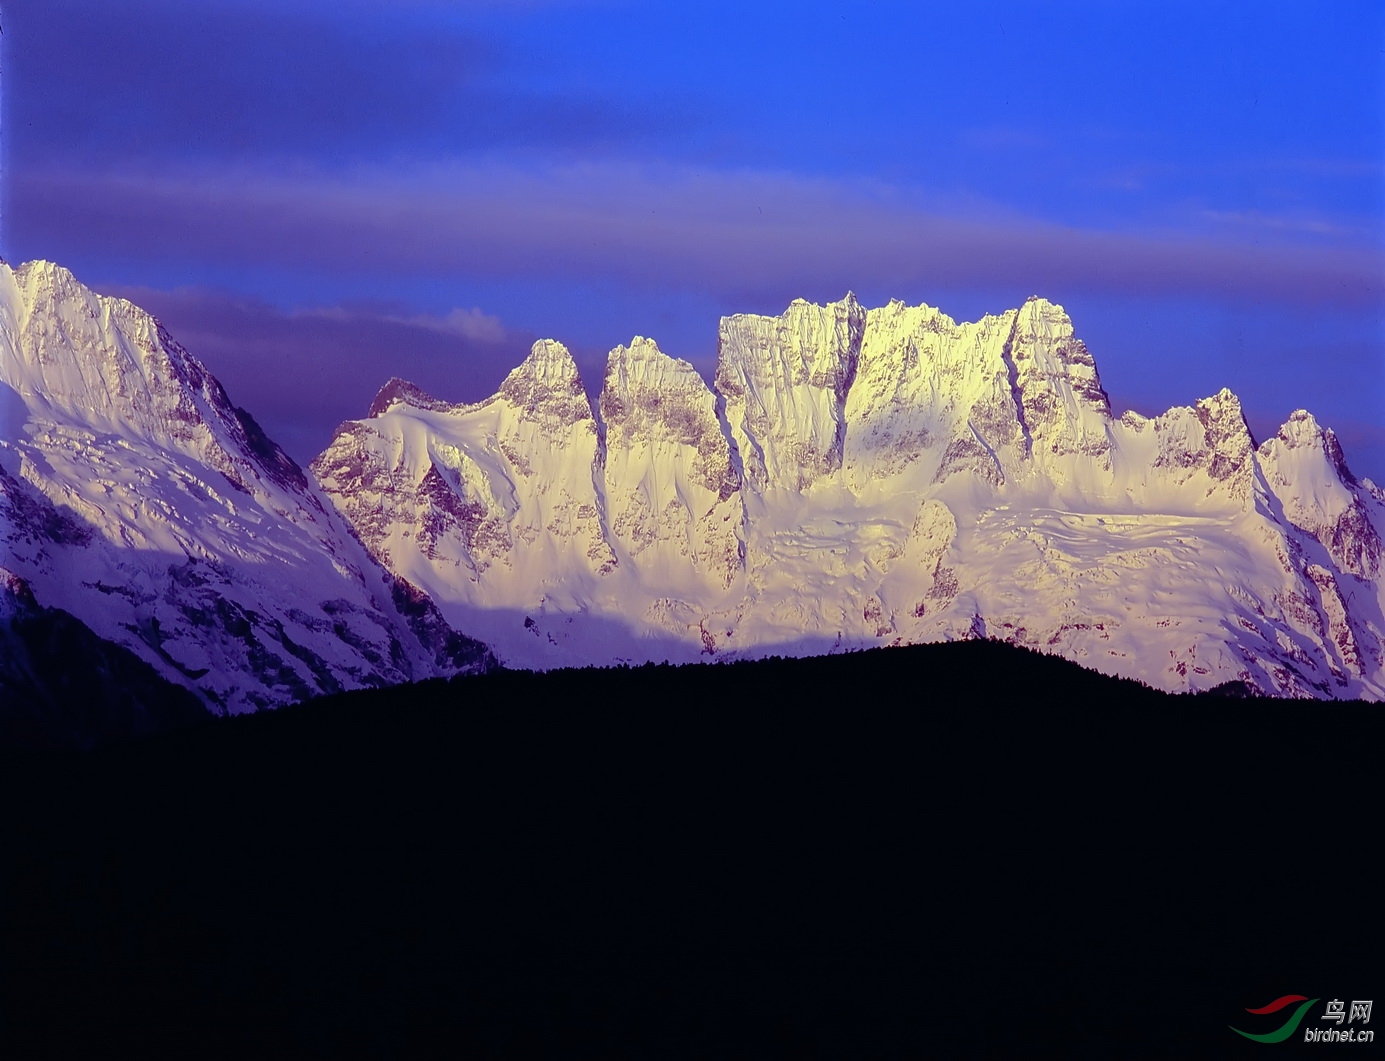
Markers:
737,235
468,323
1255,219
302,373
172,80
471,323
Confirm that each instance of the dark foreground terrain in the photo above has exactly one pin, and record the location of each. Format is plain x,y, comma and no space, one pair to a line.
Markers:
947,851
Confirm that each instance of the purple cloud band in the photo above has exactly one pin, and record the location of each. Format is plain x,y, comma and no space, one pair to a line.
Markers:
734,235
301,373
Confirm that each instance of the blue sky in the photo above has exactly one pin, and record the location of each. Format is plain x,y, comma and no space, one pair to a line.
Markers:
316,196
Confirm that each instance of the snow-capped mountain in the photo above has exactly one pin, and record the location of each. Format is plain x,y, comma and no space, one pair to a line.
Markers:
865,477
856,477
135,497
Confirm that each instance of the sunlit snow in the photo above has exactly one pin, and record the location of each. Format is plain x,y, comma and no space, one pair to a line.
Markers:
873,477
857,477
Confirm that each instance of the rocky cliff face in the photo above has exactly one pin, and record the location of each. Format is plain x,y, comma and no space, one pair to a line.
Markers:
136,498
785,381
854,478
672,493
479,504
922,380
863,477
1305,468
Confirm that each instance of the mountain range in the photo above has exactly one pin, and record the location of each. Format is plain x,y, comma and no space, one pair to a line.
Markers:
852,478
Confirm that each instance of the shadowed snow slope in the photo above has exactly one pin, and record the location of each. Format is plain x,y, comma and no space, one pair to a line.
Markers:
869,477
135,497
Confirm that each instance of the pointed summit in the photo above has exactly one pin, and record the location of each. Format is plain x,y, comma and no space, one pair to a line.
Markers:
1062,405
546,387
1305,467
1303,430
87,361
548,360
1228,436
165,518
861,475
647,394
785,380
672,492
401,392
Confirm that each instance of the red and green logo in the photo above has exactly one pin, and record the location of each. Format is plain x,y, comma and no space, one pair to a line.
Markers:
1288,1027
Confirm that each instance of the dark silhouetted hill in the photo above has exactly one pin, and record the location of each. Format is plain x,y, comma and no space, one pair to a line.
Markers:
962,850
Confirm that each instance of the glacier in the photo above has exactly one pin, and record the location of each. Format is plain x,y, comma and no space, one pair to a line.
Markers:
852,477
863,477
135,497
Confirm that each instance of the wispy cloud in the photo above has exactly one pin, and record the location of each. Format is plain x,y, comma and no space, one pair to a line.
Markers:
473,323
304,371
729,233
468,323
1255,219
103,83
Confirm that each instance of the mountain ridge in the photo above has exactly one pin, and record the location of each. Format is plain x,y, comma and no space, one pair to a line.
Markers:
848,441
136,497
852,477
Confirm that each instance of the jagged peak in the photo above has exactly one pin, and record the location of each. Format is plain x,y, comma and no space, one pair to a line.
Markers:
639,351
897,314
1223,406
44,267
1303,431
401,392
547,385
1300,428
847,302
1035,307
1137,420
70,367
639,346
1223,419
1227,436
1223,403
1039,304
643,360
549,361
649,395
40,279
105,365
